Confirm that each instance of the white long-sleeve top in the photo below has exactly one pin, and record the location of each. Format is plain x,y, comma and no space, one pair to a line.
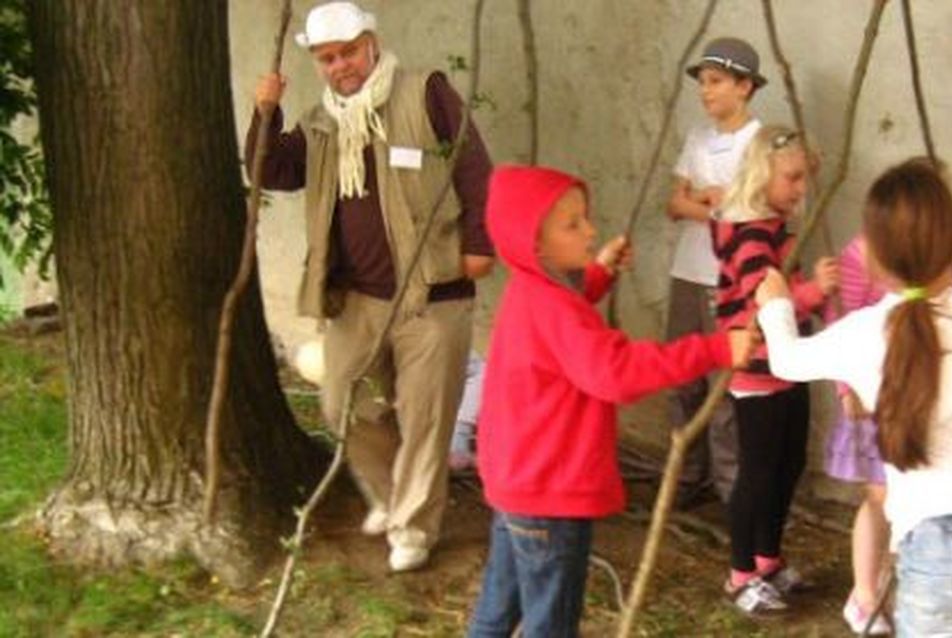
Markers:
852,351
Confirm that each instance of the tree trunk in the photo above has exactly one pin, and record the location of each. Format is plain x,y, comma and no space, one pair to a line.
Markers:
138,133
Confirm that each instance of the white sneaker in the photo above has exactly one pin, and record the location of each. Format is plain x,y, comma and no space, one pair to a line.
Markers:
787,580
375,523
756,597
405,558
857,618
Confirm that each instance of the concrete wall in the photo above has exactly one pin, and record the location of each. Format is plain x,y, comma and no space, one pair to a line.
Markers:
605,67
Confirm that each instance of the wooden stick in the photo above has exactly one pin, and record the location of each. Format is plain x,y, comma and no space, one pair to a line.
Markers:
297,541
669,107
347,414
796,109
682,438
226,321
849,119
532,77
916,82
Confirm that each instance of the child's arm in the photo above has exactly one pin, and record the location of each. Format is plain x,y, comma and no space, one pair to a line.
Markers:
806,293
855,282
598,281
810,296
688,203
792,357
748,263
854,288
608,365
824,355
600,274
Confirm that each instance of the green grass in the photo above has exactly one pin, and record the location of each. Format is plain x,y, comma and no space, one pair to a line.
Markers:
42,597
32,429
39,597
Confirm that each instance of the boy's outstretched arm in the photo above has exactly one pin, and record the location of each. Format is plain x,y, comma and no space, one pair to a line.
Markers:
607,364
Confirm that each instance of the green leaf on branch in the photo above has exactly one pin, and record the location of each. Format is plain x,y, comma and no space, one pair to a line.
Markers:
484,99
457,63
25,217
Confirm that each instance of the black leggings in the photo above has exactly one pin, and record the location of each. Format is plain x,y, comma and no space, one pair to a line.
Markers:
772,444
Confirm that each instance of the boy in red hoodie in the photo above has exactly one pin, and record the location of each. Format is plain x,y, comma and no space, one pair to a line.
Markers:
556,370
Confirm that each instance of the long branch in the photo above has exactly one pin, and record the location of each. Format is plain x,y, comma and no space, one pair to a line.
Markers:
532,77
849,119
793,100
670,104
681,439
916,81
347,416
238,286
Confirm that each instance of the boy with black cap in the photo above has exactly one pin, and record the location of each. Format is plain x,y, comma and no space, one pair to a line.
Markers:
728,75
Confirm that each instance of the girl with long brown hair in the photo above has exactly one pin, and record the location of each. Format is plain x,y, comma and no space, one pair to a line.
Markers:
895,356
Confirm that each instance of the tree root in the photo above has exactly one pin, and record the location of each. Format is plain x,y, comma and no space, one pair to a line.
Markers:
105,533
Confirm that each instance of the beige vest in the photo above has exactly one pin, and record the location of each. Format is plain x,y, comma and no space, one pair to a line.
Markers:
406,198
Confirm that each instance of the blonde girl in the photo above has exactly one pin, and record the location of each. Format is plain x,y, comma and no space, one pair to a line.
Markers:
751,235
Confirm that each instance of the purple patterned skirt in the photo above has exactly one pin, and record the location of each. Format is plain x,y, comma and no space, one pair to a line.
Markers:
852,453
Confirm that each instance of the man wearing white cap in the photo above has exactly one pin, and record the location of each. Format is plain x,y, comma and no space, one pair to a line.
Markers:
369,158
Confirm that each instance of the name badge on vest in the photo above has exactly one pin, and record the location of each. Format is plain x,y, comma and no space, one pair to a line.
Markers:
406,157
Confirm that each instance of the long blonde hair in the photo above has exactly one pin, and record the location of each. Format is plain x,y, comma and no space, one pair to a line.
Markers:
746,197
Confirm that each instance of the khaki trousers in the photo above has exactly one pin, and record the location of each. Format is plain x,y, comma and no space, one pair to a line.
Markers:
711,458
398,444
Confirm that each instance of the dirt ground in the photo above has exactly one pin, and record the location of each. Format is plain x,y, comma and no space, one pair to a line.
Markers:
437,600
343,587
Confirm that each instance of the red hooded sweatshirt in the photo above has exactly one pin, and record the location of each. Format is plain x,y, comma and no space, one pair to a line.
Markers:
547,429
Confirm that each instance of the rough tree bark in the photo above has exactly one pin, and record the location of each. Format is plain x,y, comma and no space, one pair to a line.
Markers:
138,133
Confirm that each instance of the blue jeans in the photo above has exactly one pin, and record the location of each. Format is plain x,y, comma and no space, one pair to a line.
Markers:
536,573
924,594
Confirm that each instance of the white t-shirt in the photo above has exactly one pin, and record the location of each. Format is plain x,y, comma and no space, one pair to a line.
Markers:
709,158
852,351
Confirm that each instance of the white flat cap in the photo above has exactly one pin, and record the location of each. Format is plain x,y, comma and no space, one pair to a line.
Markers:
335,22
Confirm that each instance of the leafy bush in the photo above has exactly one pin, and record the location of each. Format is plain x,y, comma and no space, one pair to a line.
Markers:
25,217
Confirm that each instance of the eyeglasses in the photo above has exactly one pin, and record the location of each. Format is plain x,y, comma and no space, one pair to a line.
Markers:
783,139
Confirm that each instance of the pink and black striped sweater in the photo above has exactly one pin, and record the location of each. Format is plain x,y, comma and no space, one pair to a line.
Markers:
745,250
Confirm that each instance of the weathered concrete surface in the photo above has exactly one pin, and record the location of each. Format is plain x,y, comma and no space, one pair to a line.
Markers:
605,66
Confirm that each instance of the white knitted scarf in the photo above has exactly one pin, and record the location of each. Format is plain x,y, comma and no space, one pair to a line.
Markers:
358,121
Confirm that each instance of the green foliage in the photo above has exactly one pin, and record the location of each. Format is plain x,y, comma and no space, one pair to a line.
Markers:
457,63
25,217
484,99
7,313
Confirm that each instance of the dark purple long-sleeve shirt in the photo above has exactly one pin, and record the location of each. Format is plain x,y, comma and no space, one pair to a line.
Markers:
363,261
